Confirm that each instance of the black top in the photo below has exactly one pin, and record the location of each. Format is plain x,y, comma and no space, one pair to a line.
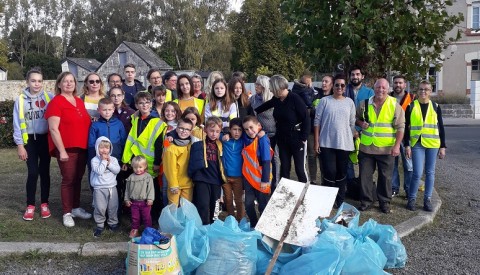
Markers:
424,107
288,113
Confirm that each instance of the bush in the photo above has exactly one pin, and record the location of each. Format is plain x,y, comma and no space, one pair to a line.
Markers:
451,99
6,124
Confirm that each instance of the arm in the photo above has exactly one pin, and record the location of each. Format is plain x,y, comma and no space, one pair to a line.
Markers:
126,197
316,126
441,132
304,118
266,106
114,167
17,133
353,120
399,124
265,160
99,166
158,145
92,137
207,111
170,168
150,191
53,124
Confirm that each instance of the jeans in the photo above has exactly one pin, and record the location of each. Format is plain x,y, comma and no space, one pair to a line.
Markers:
423,158
72,172
312,158
407,172
38,164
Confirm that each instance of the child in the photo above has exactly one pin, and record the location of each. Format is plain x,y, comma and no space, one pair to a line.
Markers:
236,87
145,139
221,104
205,168
232,161
175,161
186,93
103,180
257,156
139,194
191,113
30,130
159,94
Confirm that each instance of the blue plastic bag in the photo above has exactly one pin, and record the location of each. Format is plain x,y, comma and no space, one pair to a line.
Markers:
152,236
366,258
232,250
173,219
334,236
387,239
327,261
265,254
346,214
193,246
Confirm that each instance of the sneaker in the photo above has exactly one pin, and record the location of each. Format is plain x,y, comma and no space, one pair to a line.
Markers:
68,220
45,211
385,207
98,232
411,205
133,233
114,227
394,194
29,212
81,213
427,205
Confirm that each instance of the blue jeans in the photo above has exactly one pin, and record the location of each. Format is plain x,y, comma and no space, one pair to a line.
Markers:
423,158
407,172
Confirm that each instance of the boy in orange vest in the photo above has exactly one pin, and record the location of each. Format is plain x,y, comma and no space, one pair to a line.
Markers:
256,169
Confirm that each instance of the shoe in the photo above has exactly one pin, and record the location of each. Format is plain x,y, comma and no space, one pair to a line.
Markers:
364,207
427,205
29,213
411,205
114,227
98,232
81,213
133,233
394,194
385,207
68,220
44,211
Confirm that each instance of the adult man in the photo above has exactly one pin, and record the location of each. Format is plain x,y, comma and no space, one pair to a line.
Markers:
382,121
404,98
130,85
170,81
304,88
114,80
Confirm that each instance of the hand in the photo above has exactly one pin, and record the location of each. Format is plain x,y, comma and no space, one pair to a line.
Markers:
149,202
124,167
22,153
395,150
408,152
63,156
169,138
316,148
264,185
441,153
261,134
156,168
128,203
364,125
356,134
226,137
174,190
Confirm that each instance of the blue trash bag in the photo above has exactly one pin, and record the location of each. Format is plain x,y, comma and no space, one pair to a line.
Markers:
244,225
327,261
173,219
152,236
193,246
265,254
232,251
366,258
346,215
387,238
334,236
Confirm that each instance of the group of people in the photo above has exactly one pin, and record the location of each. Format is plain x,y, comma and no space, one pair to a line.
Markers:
149,147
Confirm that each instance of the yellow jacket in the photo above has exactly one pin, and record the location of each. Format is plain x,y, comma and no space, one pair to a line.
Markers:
175,165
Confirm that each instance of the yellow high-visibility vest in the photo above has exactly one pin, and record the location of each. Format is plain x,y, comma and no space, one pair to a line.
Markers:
427,129
21,116
380,131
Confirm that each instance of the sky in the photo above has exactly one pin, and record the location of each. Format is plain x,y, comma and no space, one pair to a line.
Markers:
236,4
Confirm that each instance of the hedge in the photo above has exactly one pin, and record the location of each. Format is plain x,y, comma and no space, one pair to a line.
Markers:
6,124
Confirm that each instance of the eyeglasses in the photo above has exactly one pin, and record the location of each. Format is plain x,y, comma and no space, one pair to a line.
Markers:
116,96
94,81
424,90
339,85
184,129
144,103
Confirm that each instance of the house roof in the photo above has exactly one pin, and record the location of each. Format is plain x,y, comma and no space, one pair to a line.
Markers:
88,64
3,69
147,55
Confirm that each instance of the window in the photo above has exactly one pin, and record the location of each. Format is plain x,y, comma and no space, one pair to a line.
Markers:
476,17
122,59
476,65
432,77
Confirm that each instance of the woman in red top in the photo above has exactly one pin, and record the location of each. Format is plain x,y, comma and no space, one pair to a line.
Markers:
68,122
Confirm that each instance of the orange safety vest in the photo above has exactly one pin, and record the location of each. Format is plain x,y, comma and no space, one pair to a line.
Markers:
407,100
251,169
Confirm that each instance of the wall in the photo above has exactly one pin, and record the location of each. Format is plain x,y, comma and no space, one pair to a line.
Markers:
10,89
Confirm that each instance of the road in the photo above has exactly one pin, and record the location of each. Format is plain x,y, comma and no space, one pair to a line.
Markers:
451,245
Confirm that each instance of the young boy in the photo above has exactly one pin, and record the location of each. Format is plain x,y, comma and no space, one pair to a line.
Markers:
233,161
105,168
139,194
175,162
145,140
205,168
256,169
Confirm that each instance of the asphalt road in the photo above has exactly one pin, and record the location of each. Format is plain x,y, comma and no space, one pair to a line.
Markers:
451,245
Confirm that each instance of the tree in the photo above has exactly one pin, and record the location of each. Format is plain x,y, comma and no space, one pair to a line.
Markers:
49,64
380,36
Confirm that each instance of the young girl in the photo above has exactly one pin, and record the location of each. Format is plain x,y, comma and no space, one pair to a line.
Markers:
160,95
191,113
122,110
221,104
139,195
30,135
186,94
237,89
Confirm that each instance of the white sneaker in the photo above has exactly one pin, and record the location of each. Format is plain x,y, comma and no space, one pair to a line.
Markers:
68,220
81,213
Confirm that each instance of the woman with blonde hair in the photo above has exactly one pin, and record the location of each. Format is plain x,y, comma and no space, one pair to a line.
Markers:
92,91
211,78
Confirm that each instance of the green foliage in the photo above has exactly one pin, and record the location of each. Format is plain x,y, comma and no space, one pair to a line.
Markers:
6,125
15,71
380,36
50,65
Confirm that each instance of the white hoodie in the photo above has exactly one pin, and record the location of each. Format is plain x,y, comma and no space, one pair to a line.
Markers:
104,176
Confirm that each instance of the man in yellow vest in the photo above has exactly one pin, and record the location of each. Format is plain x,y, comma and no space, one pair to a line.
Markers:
382,121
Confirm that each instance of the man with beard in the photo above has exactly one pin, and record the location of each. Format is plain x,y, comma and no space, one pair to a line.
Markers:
358,92
404,98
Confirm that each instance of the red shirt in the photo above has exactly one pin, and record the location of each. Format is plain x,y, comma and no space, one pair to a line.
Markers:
74,122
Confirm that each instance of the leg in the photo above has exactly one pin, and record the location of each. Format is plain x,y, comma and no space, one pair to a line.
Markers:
33,170
329,166
215,193
146,215
66,186
228,196
157,202
81,156
250,204
201,199
44,166
135,212
299,153
187,193
262,200
367,167
418,161
173,198
312,159
285,158
341,175
395,177
275,163
430,161
100,199
112,207
384,182
407,171
164,190
237,186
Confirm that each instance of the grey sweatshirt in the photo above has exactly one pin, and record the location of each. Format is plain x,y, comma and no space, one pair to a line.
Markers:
103,175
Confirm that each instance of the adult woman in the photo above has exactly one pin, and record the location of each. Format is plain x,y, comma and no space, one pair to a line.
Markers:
93,91
186,96
154,77
69,122
292,126
237,90
197,87
210,79
424,139
334,127
170,81
122,110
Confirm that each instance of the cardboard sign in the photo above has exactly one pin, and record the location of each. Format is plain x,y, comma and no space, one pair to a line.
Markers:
317,203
